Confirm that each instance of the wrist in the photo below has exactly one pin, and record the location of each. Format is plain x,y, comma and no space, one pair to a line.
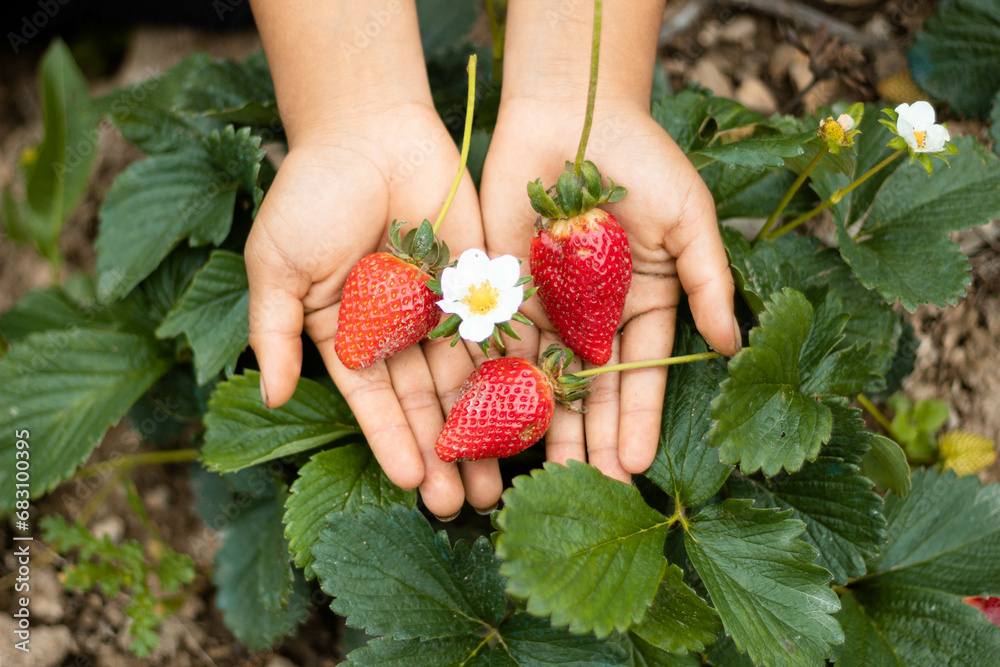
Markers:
548,48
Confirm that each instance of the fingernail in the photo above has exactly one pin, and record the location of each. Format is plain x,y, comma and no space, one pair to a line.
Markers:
263,392
446,519
738,334
488,510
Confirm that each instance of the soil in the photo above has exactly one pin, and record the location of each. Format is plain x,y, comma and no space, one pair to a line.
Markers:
761,59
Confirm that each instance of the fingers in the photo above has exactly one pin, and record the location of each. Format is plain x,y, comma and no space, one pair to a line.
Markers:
565,437
601,420
275,321
648,336
370,395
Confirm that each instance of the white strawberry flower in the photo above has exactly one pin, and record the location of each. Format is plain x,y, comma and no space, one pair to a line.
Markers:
916,126
483,292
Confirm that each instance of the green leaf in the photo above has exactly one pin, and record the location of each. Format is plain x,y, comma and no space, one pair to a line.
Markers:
943,535
911,626
443,24
995,123
607,542
50,310
686,466
772,599
644,654
912,217
58,176
337,480
157,203
390,574
261,598
213,314
885,464
533,641
678,620
771,413
841,512
240,93
744,193
241,432
67,388
954,58
455,651
694,118
725,654
757,152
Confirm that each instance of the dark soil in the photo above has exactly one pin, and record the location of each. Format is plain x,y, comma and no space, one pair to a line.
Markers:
762,60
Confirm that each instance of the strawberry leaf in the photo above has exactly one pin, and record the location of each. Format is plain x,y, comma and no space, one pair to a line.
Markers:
389,573
213,314
743,193
773,411
885,464
337,480
678,620
694,118
241,432
607,541
757,152
644,654
686,466
770,596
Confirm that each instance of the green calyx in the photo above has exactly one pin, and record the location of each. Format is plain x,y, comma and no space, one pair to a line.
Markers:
420,246
567,387
573,193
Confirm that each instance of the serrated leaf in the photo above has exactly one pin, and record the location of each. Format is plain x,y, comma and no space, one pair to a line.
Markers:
954,57
944,535
260,596
912,217
686,466
995,123
607,541
390,574
771,413
757,152
694,118
213,314
770,596
744,193
241,432
67,388
885,464
455,651
678,620
725,654
910,626
157,203
841,512
644,654
235,92
532,641
337,480
50,310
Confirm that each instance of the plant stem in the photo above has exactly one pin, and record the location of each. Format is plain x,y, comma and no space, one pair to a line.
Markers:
466,138
823,150
669,361
834,198
497,30
879,416
135,460
595,51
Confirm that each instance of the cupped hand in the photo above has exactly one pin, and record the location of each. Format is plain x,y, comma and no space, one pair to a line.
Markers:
331,203
669,217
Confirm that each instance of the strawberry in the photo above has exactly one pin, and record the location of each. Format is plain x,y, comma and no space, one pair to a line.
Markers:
387,305
506,406
580,261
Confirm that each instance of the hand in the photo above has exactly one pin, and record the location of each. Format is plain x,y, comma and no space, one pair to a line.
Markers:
331,203
669,217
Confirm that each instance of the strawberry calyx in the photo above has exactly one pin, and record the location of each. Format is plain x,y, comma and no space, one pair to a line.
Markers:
573,193
566,387
420,247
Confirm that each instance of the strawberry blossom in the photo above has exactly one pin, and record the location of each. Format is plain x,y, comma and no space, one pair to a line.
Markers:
483,292
917,128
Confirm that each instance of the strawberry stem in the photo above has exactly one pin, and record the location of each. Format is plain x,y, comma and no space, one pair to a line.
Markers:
466,138
669,361
588,120
762,234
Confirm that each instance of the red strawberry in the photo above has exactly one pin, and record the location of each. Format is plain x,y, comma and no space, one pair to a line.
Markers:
989,606
506,406
580,261
387,305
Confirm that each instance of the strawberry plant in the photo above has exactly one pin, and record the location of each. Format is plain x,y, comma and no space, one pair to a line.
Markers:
773,527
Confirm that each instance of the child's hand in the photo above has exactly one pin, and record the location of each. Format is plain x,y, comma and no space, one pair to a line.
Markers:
331,203
668,213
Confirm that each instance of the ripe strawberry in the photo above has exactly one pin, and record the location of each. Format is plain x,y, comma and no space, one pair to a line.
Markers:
506,406
387,305
580,261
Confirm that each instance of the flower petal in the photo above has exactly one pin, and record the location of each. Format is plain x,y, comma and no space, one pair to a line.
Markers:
455,283
507,304
921,115
503,272
454,308
905,129
476,262
475,328
937,136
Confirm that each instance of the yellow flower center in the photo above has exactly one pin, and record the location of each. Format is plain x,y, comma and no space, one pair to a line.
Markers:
921,137
481,299
833,131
